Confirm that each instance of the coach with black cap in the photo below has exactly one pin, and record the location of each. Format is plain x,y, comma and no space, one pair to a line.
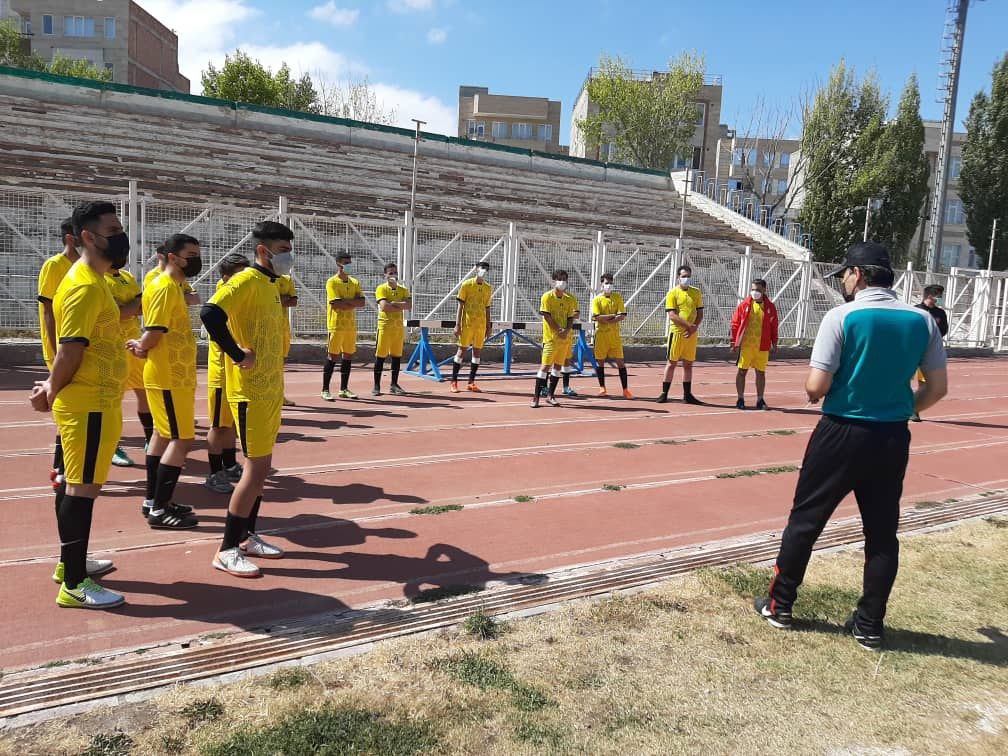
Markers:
865,355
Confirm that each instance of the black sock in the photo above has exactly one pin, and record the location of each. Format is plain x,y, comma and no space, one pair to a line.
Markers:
57,461
60,493
167,477
666,385
687,388
566,380
147,421
74,524
396,364
540,384
379,365
153,463
327,371
553,381
600,374
473,369
235,528
216,463
456,367
230,457
344,374
254,515
623,376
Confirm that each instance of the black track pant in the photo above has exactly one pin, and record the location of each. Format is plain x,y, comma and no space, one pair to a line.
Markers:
843,455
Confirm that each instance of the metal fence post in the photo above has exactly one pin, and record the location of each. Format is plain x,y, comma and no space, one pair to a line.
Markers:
745,273
804,297
908,283
133,227
510,299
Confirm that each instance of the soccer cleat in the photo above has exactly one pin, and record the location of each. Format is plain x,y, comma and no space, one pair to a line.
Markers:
627,394
602,392
257,547
218,482
233,562
454,387
95,567
288,402
121,459
233,473
376,391
740,404
172,517
148,505
328,397
552,402
662,398
690,399
88,595
474,388
535,402
347,394
396,390
865,639
779,619
761,405
568,391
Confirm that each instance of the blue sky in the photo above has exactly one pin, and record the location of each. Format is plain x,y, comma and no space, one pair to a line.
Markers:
417,52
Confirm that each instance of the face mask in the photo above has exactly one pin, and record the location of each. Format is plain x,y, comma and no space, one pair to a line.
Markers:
393,280
561,285
116,250
607,288
283,263
685,281
344,265
757,295
940,302
193,266
481,273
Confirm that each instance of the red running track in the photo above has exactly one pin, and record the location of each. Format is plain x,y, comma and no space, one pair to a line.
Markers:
349,473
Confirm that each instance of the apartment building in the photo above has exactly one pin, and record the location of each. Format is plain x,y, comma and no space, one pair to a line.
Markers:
118,35
703,145
516,121
759,165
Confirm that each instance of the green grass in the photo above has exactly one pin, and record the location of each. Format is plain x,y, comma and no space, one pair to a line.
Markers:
109,744
172,744
293,677
333,731
759,471
535,733
481,625
487,674
436,510
997,522
442,592
626,445
522,498
202,710
612,487
926,504
781,433
815,602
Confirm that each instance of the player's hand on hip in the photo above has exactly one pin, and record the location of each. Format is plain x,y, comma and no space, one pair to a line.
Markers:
249,361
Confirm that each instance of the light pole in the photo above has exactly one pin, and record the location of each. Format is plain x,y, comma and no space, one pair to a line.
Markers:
867,217
990,255
416,151
682,215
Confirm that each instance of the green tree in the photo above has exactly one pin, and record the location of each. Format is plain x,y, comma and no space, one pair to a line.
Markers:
14,51
840,136
897,175
650,121
243,79
81,69
983,180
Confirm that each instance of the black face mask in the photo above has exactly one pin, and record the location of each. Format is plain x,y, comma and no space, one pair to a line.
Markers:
193,266
116,250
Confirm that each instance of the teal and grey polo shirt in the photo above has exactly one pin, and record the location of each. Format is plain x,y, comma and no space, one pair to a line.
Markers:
873,346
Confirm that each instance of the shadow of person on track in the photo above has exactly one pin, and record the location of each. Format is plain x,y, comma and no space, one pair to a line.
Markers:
285,489
321,532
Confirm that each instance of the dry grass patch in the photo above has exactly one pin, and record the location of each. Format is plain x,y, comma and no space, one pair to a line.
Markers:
686,668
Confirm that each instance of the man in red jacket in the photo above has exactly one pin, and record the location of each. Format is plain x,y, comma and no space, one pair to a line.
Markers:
754,336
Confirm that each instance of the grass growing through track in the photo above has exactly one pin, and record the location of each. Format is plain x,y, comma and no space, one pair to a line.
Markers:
759,471
437,509
683,668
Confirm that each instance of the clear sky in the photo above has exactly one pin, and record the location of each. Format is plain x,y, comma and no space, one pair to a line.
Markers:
418,52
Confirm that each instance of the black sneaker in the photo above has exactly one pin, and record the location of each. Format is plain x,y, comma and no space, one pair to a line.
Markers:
740,404
690,399
779,619
145,508
865,639
662,398
172,518
761,405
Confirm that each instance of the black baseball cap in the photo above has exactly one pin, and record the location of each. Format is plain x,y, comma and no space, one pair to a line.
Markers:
862,254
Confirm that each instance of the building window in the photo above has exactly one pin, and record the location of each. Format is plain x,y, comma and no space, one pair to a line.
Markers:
955,167
785,159
110,67
738,156
109,28
521,131
28,28
48,25
678,163
700,110
950,255
954,213
78,26
768,158
697,157
781,186
500,130
477,129
546,132
608,152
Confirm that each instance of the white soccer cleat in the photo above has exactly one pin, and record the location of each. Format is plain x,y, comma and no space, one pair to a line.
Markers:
255,546
233,562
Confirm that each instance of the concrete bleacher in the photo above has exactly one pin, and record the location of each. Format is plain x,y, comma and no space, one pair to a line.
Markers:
64,136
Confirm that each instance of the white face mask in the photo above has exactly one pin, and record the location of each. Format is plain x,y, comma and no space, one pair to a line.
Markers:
560,285
607,288
756,295
392,279
685,281
344,265
481,273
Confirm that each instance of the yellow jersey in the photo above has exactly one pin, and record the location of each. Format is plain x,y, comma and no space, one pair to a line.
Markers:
561,309
124,290
155,272
337,288
608,304
386,293
685,302
172,363
475,296
216,374
86,312
258,322
754,328
50,276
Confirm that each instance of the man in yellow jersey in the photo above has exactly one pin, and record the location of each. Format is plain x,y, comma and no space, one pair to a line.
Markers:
393,300
84,392
222,441
191,297
52,273
608,311
684,307
126,292
169,346
246,319
559,310
288,298
344,297
754,337
472,323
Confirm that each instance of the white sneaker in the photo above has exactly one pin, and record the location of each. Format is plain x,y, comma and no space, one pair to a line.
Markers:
88,595
257,547
98,566
233,562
